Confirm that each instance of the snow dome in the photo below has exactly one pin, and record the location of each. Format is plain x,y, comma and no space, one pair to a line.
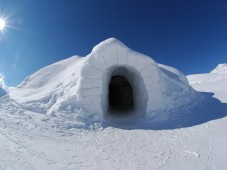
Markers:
112,80
116,80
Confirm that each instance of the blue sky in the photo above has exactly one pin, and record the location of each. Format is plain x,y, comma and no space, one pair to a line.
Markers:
186,34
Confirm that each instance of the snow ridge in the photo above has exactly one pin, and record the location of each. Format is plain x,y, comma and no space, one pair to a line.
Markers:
221,68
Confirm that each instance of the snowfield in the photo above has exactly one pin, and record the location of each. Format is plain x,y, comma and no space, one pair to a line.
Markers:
189,137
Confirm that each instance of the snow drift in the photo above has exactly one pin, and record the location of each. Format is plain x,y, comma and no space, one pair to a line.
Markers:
84,83
216,81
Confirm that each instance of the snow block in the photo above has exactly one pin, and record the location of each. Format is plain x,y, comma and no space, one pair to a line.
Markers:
132,59
98,62
110,56
91,71
86,83
91,91
122,55
97,83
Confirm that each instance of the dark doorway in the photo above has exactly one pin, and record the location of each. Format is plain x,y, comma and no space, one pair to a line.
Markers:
120,96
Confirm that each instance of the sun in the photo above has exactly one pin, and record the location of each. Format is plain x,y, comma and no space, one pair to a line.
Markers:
2,24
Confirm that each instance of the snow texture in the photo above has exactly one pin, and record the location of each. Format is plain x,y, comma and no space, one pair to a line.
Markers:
82,83
190,137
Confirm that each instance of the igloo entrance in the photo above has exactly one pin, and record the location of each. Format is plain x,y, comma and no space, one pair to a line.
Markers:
124,92
120,96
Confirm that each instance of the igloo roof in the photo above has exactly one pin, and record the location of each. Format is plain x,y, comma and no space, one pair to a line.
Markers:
81,82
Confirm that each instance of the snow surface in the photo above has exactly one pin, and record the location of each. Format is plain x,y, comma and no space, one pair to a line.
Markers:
214,83
190,139
42,125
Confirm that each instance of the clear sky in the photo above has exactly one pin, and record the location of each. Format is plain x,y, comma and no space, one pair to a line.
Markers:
190,35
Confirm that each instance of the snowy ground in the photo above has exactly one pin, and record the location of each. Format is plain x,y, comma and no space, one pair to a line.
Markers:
191,140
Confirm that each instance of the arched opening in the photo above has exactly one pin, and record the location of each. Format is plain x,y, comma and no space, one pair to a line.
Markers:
120,96
132,102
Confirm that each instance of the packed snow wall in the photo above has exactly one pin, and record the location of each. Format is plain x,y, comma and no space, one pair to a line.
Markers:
112,58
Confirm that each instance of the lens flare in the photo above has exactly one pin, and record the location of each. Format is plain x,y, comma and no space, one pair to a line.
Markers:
2,24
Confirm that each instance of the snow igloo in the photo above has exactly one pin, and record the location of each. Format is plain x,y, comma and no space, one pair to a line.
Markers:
112,80
117,81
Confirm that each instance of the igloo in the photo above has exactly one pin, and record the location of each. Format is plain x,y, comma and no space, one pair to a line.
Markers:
117,80
112,80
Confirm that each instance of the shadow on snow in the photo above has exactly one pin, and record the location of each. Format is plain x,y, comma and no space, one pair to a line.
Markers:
204,111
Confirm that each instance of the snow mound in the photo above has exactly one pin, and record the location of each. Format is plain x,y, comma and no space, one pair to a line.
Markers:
221,68
210,82
82,83
54,86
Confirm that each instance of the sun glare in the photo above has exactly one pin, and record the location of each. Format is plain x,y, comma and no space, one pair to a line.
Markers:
2,24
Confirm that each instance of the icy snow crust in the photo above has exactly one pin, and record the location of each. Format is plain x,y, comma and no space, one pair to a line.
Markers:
81,83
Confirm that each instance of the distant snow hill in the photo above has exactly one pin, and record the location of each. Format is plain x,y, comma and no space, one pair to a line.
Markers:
215,81
221,68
